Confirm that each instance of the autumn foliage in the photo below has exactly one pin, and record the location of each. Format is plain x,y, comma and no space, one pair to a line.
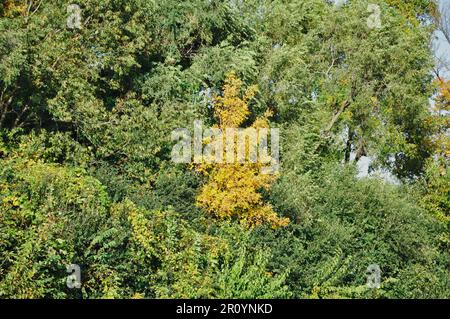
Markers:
233,190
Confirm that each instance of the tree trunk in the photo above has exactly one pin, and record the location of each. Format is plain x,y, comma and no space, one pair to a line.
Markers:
348,147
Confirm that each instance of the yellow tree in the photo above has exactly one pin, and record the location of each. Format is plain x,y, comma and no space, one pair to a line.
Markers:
233,189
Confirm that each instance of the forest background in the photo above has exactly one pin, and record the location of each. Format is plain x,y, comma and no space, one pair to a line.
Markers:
86,177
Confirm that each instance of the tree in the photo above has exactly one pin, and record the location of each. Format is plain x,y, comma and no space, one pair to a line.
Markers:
441,15
436,192
232,190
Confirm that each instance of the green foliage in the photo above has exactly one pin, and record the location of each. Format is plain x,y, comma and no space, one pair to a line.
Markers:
352,224
49,214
